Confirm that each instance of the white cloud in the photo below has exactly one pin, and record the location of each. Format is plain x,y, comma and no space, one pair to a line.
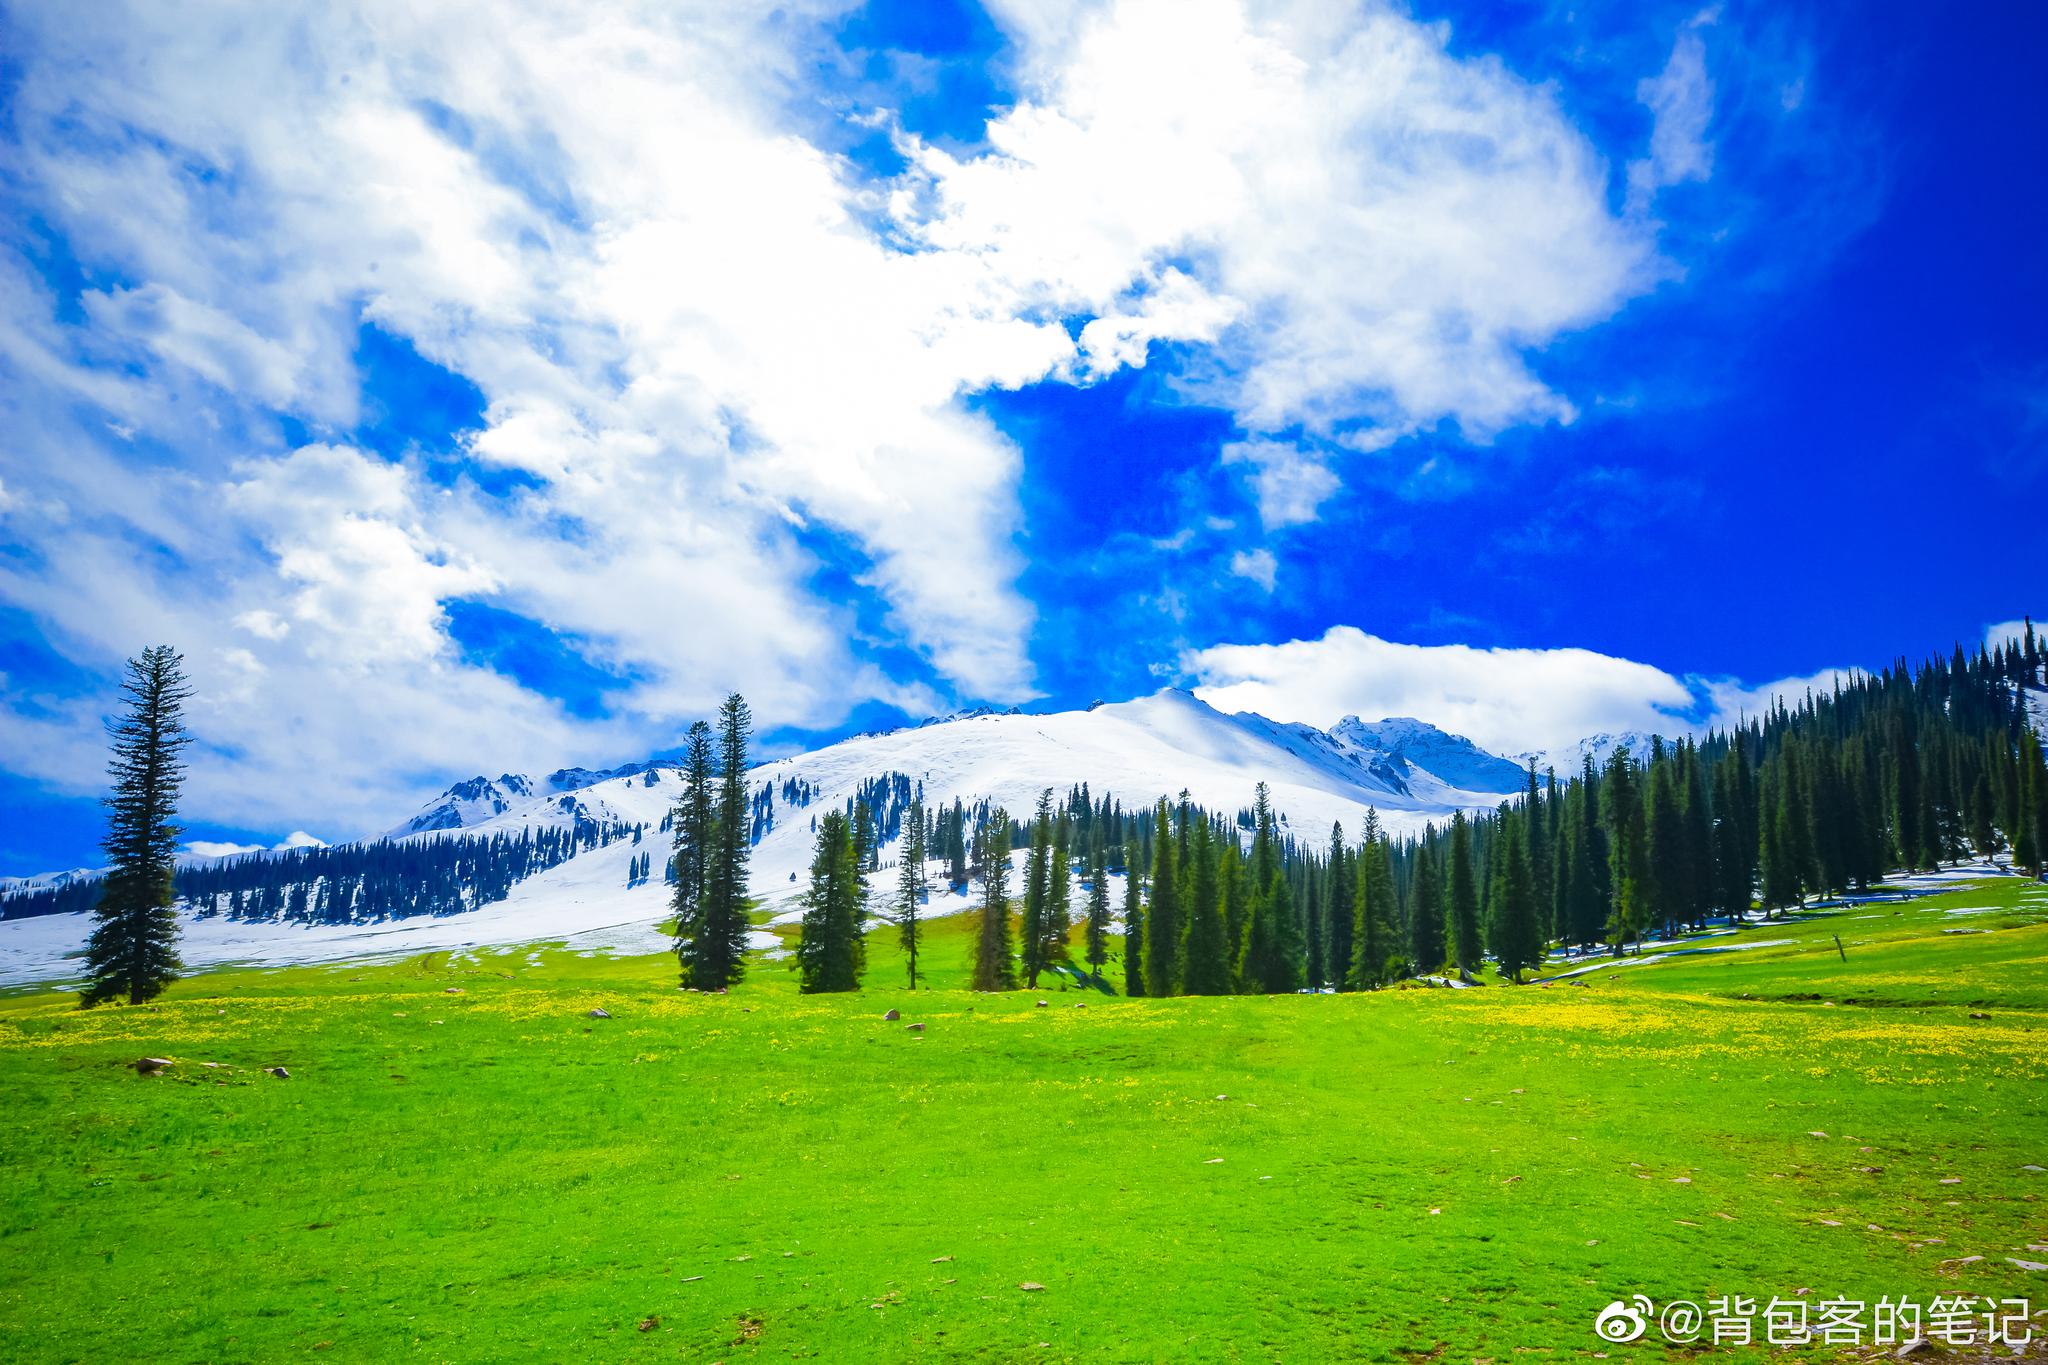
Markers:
1257,565
702,341
210,848
1505,700
265,625
1289,483
1390,225
214,346
366,581
214,848
1511,701
1681,103
1729,703
2011,632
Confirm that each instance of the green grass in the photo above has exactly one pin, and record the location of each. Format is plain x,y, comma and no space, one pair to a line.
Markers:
494,1176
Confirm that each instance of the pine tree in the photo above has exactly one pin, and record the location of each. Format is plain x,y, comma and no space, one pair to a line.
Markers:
1098,911
1536,830
1274,960
1162,918
1273,963
1734,838
1312,927
133,951
1425,911
993,969
1462,920
1372,917
1059,897
713,956
1134,922
956,845
1777,847
694,821
1037,890
1233,893
826,957
1665,885
911,886
1517,940
1205,960
2030,823
1339,912
1590,890
1627,849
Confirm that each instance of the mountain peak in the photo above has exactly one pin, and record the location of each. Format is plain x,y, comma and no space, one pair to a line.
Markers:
1451,759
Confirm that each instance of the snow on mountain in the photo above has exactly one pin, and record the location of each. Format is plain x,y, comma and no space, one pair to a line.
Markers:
1136,751
1568,760
478,799
45,881
1453,760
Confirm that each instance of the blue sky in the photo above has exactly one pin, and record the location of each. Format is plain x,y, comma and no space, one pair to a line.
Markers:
469,397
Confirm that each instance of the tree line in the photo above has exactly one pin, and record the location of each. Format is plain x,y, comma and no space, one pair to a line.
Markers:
1904,768
361,883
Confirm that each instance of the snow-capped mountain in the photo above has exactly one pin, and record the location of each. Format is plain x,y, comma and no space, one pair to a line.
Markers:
44,881
1451,759
480,798
1136,751
1570,759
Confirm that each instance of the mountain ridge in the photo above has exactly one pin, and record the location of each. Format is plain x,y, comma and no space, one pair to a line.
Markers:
1410,763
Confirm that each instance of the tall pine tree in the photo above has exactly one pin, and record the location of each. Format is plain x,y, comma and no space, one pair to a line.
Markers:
826,953
1162,917
911,886
1134,922
1425,911
1462,914
1627,827
1339,896
1037,890
1373,917
993,969
1205,959
713,956
1098,911
133,951
1059,895
1517,939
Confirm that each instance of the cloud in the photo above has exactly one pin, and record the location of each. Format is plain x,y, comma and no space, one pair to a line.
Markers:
1289,483
712,355
208,848
1257,565
1505,700
1508,700
214,346
1390,226
1730,703
364,581
2011,633
213,848
267,625
1681,103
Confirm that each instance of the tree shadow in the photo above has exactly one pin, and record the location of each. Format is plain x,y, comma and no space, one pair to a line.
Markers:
1071,975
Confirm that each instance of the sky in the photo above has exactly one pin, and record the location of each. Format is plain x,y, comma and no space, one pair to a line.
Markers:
468,391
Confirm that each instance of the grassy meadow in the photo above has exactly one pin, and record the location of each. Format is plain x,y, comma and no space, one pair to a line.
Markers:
465,1166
